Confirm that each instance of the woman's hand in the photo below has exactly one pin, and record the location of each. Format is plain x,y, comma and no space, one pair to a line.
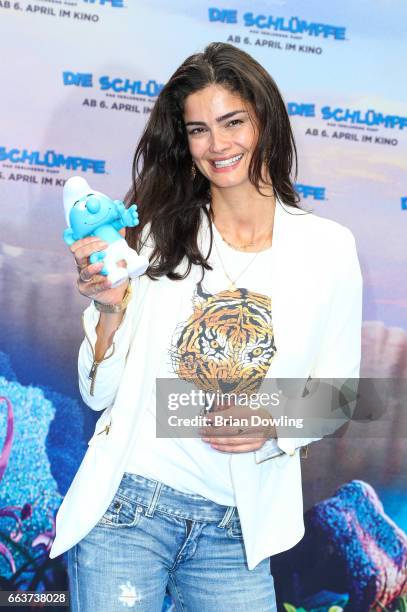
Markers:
235,435
91,283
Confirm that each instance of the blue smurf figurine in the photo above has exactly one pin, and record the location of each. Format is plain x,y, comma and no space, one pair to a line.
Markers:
90,213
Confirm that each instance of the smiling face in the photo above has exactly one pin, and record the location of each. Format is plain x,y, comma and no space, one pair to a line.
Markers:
89,212
222,135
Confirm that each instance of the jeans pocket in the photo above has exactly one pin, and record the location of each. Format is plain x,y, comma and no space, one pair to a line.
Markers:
235,529
122,513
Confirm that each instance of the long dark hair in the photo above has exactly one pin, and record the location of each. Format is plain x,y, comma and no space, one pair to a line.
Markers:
169,197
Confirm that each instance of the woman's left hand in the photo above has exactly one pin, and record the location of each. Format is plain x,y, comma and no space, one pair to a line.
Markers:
233,430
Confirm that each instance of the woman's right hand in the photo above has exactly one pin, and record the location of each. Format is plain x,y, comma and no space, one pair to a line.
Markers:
91,284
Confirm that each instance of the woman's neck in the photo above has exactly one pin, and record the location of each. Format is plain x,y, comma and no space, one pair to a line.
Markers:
243,216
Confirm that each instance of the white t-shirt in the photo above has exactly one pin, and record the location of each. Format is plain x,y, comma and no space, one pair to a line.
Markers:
221,333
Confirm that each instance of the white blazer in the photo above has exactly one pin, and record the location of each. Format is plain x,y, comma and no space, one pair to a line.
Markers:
317,314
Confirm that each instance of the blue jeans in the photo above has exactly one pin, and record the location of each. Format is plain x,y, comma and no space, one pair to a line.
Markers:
153,537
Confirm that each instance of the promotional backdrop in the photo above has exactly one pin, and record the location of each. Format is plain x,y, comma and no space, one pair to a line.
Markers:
79,79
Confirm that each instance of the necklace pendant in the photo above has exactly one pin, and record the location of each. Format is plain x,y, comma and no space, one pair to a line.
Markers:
232,287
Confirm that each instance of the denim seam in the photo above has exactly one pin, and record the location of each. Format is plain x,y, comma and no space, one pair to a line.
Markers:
234,536
180,600
134,523
190,537
227,517
153,503
169,512
76,576
195,519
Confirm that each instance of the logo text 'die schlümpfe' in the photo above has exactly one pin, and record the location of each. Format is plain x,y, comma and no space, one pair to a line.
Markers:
370,117
310,191
291,25
106,83
51,159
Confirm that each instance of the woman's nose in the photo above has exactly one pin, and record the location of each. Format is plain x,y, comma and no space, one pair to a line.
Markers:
93,205
219,143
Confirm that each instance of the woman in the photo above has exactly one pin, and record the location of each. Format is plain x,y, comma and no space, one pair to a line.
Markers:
242,286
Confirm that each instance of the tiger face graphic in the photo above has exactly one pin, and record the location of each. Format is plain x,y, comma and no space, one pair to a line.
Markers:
227,344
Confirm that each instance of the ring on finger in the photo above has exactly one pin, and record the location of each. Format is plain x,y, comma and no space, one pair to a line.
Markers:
84,280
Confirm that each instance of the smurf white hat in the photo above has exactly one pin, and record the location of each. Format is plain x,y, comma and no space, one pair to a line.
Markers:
75,188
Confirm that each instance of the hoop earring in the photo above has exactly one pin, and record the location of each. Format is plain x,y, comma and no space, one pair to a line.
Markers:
193,170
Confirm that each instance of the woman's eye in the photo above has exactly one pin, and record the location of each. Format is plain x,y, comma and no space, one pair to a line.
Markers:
231,123
196,131
235,122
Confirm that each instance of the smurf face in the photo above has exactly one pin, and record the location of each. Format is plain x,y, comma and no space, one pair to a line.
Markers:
91,211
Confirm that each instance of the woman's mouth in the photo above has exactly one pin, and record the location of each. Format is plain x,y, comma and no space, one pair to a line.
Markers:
226,164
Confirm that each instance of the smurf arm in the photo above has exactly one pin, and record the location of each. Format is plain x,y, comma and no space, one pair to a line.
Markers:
68,236
128,217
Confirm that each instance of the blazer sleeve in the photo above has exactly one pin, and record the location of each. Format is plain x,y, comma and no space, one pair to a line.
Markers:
99,381
340,351
339,354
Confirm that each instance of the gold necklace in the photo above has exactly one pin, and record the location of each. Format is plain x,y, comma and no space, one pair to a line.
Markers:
232,286
238,246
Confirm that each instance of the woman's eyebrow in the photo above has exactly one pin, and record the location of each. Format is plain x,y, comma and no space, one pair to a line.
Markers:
218,119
